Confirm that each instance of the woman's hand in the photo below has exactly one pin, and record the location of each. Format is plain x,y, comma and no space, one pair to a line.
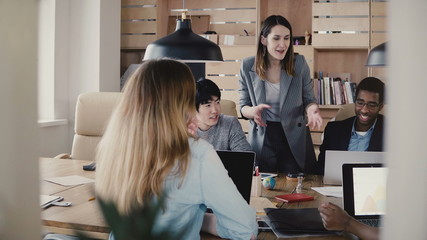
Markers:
258,114
192,125
314,118
334,217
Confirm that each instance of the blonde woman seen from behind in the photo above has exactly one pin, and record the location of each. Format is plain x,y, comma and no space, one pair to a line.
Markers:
148,150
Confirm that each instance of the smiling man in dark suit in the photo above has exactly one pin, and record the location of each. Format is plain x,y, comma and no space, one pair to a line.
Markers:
363,132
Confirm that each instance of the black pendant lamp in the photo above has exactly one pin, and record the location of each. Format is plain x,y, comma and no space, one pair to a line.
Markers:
377,56
184,45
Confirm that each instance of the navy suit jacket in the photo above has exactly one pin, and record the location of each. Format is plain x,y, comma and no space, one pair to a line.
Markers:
337,137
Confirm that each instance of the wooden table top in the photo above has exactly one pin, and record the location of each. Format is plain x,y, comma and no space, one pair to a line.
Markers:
52,167
84,213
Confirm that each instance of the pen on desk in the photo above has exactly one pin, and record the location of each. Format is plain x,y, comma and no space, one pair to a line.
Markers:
91,199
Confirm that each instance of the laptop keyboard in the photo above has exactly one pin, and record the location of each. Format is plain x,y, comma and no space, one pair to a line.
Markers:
370,222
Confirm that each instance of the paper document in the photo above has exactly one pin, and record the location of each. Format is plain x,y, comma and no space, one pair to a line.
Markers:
259,203
46,200
70,180
266,175
329,191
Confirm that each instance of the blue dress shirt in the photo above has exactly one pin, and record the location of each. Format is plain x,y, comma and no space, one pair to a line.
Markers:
360,142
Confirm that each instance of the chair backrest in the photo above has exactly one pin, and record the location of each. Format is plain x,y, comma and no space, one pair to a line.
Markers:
93,111
228,107
347,110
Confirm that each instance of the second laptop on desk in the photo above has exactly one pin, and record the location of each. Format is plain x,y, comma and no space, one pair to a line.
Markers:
335,159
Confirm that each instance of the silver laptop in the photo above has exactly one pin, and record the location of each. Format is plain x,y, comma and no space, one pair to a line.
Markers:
335,159
364,191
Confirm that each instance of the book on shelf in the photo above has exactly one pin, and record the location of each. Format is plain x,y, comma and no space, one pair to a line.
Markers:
349,92
334,91
327,90
344,92
337,91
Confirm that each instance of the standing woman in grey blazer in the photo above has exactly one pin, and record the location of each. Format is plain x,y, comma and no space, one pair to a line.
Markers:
276,95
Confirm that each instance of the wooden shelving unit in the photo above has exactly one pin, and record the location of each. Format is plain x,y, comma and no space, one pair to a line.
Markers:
342,35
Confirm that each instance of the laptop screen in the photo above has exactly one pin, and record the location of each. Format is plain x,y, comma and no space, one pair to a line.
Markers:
240,167
364,187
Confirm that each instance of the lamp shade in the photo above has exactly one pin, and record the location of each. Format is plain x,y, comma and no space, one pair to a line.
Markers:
184,45
377,56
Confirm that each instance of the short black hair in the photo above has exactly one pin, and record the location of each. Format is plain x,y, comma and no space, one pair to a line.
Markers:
205,90
371,84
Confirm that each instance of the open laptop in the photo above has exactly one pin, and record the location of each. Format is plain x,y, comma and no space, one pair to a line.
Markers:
335,159
364,191
240,167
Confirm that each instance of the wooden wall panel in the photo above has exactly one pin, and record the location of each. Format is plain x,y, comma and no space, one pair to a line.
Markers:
226,74
379,8
298,13
378,38
341,40
342,61
337,24
378,23
139,27
341,24
136,41
308,52
341,9
226,17
246,15
139,2
234,28
198,4
223,67
226,82
238,52
138,23
138,13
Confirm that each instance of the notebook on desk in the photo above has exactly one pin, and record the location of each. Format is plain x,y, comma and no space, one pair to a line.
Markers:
364,191
335,159
240,167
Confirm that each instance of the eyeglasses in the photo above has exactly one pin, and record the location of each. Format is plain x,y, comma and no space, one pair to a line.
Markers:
370,105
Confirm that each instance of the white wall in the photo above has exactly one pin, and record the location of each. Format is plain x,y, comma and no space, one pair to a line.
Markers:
406,139
19,188
87,59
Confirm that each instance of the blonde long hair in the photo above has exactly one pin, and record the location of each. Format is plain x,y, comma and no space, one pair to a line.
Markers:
147,136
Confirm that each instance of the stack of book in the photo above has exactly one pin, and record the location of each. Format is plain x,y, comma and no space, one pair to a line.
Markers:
334,91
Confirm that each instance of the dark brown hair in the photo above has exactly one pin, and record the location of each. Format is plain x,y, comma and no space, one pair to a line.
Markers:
262,63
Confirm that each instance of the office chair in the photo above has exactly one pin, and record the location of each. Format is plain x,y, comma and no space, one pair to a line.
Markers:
93,110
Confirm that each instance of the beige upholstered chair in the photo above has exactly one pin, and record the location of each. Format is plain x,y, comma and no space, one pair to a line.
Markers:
228,107
93,110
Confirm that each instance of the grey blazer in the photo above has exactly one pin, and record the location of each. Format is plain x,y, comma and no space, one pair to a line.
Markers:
296,93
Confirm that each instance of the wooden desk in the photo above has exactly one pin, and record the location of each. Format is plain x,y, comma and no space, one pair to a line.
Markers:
85,214
82,214
52,167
